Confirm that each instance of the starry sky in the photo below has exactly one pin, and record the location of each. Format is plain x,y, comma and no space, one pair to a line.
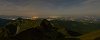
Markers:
50,7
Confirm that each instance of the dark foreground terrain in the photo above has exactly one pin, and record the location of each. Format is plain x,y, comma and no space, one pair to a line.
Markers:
42,29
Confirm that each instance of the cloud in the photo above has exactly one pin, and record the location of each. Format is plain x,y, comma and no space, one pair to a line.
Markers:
88,7
49,7
9,8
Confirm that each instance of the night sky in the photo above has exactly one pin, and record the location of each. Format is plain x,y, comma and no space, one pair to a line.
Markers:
50,7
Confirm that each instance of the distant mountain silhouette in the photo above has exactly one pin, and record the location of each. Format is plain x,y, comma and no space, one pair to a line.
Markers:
3,22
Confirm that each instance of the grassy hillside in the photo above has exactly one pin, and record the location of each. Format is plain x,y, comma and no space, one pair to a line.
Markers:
20,29
91,36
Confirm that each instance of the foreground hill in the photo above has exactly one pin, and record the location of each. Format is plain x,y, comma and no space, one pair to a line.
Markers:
42,29
22,29
43,32
91,36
